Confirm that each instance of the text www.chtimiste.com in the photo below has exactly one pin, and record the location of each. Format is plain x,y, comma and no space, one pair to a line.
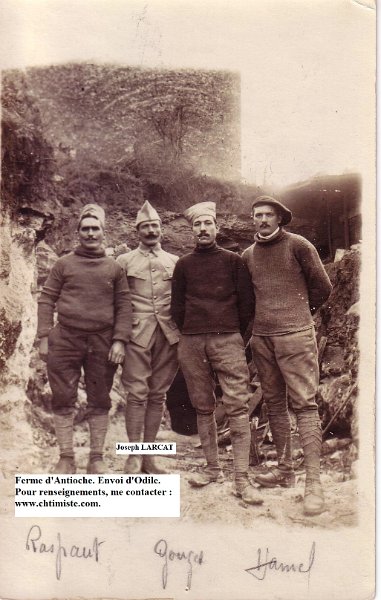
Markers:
60,503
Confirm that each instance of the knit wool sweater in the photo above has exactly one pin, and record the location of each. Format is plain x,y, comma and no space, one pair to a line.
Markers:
289,283
211,292
91,294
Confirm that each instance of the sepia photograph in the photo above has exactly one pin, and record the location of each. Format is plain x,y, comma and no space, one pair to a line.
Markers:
187,299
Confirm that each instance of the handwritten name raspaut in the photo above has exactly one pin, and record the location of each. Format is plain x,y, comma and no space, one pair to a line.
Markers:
36,544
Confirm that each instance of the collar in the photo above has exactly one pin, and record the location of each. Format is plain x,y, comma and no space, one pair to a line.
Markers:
269,237
207,250
147,251
82,252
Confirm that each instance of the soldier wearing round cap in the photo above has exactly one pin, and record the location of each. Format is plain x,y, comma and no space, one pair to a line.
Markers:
212,302
150,363
91,295
290,284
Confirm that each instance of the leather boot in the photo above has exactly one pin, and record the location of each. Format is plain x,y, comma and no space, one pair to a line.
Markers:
313,503
63,424
208,475
276,477
133,464
65,465
151,467
244,490
241,439
309,427
207,430
98,424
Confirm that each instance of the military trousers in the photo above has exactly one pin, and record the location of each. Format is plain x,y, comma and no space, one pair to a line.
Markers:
205,354
70,350
148,372
287,366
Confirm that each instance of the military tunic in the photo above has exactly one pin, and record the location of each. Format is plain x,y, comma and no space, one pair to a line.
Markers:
151,355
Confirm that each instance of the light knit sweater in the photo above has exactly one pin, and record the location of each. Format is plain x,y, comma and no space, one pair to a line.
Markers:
289,283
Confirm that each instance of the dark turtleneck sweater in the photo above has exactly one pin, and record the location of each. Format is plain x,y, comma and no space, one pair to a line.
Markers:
91,294
211,292
289,283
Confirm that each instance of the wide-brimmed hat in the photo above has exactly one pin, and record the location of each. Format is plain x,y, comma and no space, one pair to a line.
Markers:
284,212
147,213
200,209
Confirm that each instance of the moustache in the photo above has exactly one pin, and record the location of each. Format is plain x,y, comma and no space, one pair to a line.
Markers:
152,235
200,235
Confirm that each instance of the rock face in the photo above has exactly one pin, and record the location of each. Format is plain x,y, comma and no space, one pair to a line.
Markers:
337,324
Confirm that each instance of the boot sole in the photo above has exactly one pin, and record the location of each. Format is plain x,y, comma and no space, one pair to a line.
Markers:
268,484
314,513
196,484
157,472
249,502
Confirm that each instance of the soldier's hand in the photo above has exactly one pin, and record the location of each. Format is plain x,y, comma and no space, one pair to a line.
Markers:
43,349
116,354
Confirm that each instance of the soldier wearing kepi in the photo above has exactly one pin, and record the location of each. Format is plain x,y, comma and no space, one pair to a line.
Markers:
90,292
212,302
151,356
290,283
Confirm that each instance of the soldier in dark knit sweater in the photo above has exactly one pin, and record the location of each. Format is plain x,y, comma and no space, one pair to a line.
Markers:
212,302
90,292
290,284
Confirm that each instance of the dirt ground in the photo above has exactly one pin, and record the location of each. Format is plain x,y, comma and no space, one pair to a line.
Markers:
211,504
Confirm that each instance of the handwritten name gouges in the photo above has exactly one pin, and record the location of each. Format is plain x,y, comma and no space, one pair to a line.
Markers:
190,558
35,543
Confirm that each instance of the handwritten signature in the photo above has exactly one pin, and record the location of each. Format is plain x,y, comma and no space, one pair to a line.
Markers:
264,563
35,544
191,558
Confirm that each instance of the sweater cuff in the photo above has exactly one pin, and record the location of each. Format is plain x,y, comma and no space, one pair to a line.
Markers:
119,338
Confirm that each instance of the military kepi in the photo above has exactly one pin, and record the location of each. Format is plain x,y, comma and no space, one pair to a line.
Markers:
147,213
285,213
205,209
95,211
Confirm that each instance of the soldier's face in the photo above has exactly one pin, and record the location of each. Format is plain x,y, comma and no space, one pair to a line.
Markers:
90,234
204,231
266,219
149,232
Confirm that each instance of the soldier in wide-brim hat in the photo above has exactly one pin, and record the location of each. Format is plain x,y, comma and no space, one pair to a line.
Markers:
290,284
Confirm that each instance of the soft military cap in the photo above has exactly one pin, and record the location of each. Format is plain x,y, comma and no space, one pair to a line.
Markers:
147,213
285,213
207,209
95,211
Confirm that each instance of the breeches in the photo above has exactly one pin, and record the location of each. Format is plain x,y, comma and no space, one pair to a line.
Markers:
202,355
287,364
69,351
149,372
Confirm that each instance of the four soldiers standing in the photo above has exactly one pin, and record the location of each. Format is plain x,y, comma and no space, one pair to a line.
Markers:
112,312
